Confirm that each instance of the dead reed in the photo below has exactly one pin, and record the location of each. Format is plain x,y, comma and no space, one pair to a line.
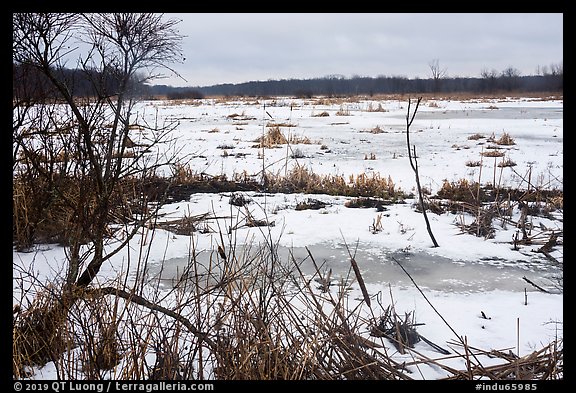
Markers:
504,140
275,137
301,179
38,332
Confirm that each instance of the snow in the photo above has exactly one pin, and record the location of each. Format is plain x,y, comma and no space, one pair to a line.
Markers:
463,277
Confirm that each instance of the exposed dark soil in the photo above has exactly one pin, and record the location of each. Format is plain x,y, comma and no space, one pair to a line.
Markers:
164,190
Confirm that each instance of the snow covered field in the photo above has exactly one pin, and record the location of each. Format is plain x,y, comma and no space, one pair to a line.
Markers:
481,287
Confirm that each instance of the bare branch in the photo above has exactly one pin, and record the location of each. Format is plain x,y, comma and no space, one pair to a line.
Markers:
414,165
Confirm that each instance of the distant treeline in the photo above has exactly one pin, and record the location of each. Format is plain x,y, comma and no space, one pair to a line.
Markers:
340,86
28,82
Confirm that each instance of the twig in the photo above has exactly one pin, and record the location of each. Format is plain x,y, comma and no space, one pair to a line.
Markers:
98,292
435,346
358,274
534,285
434,308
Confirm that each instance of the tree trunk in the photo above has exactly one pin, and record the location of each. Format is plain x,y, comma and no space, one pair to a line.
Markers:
414,165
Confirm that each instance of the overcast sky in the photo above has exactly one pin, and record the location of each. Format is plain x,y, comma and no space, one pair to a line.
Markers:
235,48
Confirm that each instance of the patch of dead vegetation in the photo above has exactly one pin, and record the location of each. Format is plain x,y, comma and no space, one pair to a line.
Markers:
475,137
321,114
372,108
300,179
504,140
493,153
275,137
311,204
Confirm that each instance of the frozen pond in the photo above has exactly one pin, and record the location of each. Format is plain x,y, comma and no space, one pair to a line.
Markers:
517,112
428,271
351,140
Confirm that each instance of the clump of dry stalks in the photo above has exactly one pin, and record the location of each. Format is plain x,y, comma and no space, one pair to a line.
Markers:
37,335
274,137
546,363
303,180
491,203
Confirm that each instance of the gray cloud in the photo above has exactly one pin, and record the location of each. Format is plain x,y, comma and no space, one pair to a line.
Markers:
235,48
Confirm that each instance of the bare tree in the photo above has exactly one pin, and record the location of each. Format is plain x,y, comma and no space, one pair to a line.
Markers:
557,69
122,51
437,74
489,79
557,74
73,154
510,78
414,165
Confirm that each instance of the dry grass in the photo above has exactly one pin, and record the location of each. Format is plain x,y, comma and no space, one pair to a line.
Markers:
506,163
482,226
475,137
277,125
330,101
321,114
376,130
318,339
461,190
275,137
372,108
473,164
453,96
343,111
311,204
97,328
46,211
300,179
39,213
272,138
182,102
504,140
543,364
240,119
186,225
183,174
493,153
38,332
367,202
